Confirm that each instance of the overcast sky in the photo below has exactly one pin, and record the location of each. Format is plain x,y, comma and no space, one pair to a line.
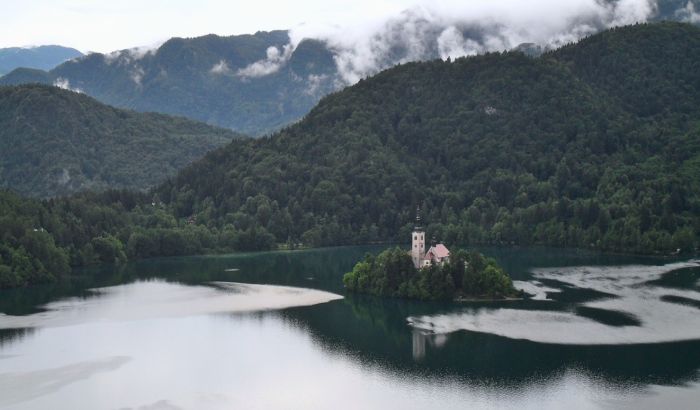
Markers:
98,25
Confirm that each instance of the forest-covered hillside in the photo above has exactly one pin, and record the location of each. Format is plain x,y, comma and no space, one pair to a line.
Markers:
595,145
57,142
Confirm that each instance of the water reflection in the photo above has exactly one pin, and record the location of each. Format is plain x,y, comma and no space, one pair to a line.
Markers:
8,336
623,305
21,386
360,347
422,338
367,332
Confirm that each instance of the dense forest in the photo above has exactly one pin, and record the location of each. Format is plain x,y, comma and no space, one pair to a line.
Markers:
246,82
392,274
57,142
594,145
41,240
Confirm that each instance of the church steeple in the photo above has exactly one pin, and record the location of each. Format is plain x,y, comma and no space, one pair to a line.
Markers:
418,227
417,241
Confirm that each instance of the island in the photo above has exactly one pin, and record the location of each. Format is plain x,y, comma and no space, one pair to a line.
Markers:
466,275
435,274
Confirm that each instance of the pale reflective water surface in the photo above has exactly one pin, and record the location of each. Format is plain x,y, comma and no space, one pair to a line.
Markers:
198,333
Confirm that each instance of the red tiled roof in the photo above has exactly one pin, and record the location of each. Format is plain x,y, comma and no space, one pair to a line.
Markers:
440,251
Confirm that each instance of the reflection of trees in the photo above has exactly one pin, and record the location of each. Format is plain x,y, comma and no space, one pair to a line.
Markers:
373,331
421,339
314,268
9,336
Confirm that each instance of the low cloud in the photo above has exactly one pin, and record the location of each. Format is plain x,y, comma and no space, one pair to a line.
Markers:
63,83
455,28
688,13
130,55
137,74
315,83
220,68
275,59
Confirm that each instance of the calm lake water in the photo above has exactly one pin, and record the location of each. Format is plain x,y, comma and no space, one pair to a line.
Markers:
603,331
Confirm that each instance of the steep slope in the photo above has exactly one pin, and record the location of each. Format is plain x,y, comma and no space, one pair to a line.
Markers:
250,83
498,148
42,57
57,142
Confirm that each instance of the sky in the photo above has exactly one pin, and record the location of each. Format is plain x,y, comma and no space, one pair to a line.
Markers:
105,26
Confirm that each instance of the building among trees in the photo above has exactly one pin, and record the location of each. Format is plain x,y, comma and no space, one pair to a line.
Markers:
436,254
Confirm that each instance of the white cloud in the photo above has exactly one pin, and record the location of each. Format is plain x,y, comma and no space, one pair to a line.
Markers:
455,28
276,58
314,84
632,11
220,68
137,75
688,13
451,43
365,35
130,55
61,82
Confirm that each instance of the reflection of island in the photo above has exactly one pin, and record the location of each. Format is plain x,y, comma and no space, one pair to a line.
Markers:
422,338
9,336
373,331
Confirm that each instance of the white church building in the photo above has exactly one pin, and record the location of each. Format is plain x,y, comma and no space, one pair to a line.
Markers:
436,254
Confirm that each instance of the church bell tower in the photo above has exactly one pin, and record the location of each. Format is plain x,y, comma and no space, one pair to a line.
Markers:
417,241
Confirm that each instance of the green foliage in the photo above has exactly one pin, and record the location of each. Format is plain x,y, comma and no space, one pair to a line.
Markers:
57,142
565,149
40,240
392,274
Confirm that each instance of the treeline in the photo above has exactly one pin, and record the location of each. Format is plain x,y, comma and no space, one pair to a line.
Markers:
41,240
392,274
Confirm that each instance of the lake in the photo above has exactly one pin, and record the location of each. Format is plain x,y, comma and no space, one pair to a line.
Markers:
277,330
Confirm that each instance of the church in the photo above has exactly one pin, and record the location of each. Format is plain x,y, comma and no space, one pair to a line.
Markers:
437,254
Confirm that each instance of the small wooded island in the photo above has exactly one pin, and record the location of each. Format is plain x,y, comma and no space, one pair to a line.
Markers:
434,275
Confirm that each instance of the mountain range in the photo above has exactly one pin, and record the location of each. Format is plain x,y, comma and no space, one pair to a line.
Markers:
250,83
259,83
41,57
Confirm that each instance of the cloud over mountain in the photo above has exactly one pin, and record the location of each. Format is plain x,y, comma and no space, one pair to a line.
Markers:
450,28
